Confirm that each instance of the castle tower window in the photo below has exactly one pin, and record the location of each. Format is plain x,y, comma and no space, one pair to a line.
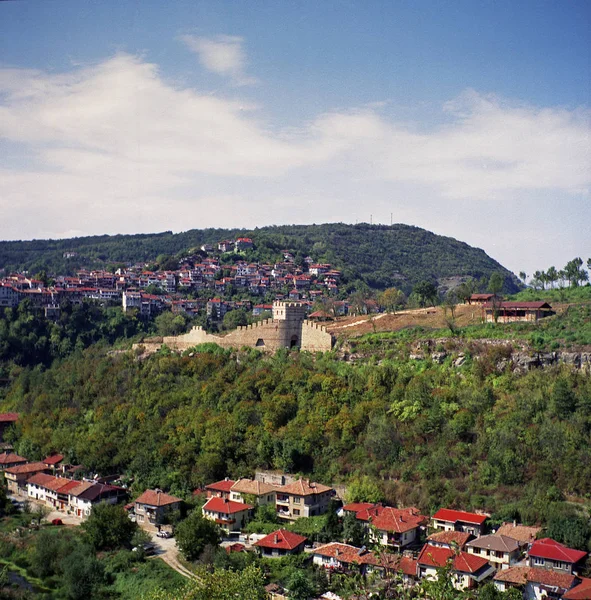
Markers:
260,342
294,341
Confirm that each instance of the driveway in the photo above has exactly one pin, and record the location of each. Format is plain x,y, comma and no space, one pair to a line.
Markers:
167,550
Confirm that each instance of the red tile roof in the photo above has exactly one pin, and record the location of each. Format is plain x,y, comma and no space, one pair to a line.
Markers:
8,417
282,540
357,506
551,578
450,537
446,514
40,479
579,592
436,556
220,505
8,458
54,459
156,498
221,486
304,487
552,550
34,467
386,518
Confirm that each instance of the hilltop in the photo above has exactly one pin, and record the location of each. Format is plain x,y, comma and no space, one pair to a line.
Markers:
378,255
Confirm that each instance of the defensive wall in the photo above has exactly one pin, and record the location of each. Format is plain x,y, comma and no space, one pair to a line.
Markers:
288,328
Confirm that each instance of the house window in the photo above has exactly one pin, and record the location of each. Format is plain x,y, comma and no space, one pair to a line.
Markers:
538,561
296,512
296,500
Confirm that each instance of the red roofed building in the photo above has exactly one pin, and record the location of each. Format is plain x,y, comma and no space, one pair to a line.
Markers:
220,489
581,591
52,462
303,498
458,520
280,543
152,508
511,312
16,477
536,583
230,516
355,507
10,459
449,539
468,569
393,527
549,554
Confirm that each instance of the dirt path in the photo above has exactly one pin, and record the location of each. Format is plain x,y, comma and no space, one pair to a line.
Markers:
167,550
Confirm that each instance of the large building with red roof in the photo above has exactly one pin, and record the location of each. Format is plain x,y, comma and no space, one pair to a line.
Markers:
447,519
220,489
549,554
537,583
281,543
303,498
152,507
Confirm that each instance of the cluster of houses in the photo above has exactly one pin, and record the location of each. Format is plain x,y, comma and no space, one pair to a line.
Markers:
131,286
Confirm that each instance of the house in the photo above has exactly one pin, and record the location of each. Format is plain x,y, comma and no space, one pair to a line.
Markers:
355,507
220,489
458,520
341,557
450,539
480,298
53,461
581,591
512,312
522,533
153,507
535,583
302,498
10,459
467,569
37,486
86,494
549,554
393,527
243,243
229,515
16,477
263,493
281,543
501,551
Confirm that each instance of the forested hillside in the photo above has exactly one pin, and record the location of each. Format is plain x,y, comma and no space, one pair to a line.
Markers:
379,255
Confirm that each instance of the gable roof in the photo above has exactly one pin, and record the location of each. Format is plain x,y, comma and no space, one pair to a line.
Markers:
8,458
156,498
498,543
436,556
225,485
252,486
387,518
10,417
447,514
282,540
537,305
304,487
53,459
357,506
33,467
553,550
460,538
40,479
551,578
220,505
579,592
521,533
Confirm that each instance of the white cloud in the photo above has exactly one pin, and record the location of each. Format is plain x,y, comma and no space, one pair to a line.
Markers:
115,147
223,54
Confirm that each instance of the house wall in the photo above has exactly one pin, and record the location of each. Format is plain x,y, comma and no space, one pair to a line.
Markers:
504,561
545,563
260,500
302,506
384,538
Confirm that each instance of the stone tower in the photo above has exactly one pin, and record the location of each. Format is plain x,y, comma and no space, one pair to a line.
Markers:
289,317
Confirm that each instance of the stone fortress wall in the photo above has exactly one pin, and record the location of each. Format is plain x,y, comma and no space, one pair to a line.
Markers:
288,328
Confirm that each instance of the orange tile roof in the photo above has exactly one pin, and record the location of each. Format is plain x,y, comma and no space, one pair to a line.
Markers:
582,591
33,467
7,458
54,459
521,533
40,479
221,505
387,518
523,575
156,498
221,486
304,487
254,487
282,540
450,537
436,556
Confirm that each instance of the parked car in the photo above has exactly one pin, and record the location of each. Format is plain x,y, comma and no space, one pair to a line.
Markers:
164,534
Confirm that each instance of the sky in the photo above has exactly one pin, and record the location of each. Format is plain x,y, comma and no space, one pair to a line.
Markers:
469,119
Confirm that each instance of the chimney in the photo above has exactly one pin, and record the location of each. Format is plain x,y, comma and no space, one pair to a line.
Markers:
336,552
514,523
276,539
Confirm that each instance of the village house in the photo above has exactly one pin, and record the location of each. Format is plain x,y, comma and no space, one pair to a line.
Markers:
281,543
262,493
86,494
153,507
512,312
53,462
10,459
534,583
467,569
220,489
549,554
501,551
229,515
450,539
393,527
480,298
16,477
458,520
302,498
580,591
522,533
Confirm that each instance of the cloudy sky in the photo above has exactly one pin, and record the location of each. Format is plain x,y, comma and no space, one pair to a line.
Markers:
470,119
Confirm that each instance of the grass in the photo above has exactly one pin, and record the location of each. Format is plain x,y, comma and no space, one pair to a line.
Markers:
137,583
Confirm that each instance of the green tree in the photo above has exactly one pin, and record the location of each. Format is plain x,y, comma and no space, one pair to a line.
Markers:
496,283
194,533
552,276
234,318
392,299
83,576
573,531
364,489
108,527
299,586
426,292
354,531
574,273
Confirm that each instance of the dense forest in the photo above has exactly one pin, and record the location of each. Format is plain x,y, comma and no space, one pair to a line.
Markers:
381,256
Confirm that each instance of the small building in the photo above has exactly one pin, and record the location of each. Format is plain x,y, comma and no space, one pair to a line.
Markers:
480,298
450,539
86,494
153,507
262,493
522,533
393,527
303,498
229,515
581,590
459,520
535,583
468,569
513,312
549,554
220,489
501,551
281,543
10,459
341,557
16,477
53,461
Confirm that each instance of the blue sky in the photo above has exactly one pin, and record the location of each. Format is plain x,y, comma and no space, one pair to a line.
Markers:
470,119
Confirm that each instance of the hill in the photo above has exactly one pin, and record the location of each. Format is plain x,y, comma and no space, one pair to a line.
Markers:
381,256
